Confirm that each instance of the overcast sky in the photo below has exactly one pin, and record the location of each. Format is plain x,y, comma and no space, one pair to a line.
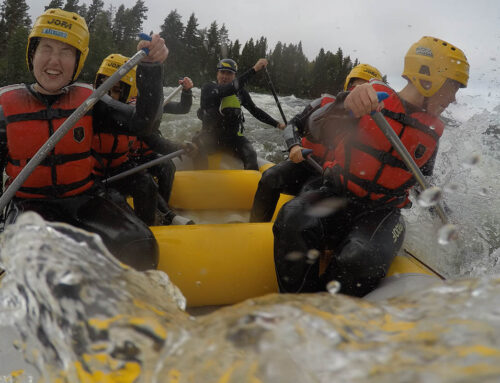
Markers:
375,32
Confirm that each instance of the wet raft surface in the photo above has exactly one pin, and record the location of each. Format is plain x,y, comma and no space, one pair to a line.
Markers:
78,315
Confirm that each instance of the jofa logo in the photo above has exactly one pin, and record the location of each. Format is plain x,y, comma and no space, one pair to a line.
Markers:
79,134
60,23
396,231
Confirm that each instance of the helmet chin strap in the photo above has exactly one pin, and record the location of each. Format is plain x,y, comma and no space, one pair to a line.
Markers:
425,104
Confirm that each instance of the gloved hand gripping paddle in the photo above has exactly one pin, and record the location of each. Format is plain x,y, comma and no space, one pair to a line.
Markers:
49,145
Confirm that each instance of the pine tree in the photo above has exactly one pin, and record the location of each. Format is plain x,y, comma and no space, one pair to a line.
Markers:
234,50
55,4
94,9
212,48
14,26
247,58
100,46
72,6
193,50
172,32
224,41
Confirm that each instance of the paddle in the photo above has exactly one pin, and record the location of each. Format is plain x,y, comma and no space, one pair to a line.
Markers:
273,91
391,135
307,154
144,166
49,145
172,95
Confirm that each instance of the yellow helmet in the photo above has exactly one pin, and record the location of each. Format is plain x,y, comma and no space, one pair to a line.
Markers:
430,61
109,66
363,71
67,27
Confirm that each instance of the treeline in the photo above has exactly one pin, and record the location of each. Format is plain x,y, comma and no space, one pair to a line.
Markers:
194,50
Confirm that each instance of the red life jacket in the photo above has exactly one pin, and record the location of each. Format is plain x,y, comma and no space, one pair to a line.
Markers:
139,149
320,151
110,151
67,169
367,164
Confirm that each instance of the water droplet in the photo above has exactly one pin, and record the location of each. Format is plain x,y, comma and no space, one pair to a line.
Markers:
472,160
326,207
483,192
333,287
430,196
450,188
362,173
294,256
432,127
312,255
198,283
447,234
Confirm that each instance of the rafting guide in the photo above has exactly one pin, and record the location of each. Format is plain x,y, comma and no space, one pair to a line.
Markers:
222,116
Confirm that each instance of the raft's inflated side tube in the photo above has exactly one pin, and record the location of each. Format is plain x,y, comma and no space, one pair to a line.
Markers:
218,264
214,189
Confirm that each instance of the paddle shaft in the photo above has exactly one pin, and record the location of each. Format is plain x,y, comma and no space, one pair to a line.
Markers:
145,166
393,138
67,125
273,91
172,95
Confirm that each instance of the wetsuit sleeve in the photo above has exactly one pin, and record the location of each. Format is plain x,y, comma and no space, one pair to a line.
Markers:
181,107
296,127
160,144
3,145
113,116
258,113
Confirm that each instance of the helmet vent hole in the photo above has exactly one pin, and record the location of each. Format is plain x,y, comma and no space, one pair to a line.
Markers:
426,84
424,69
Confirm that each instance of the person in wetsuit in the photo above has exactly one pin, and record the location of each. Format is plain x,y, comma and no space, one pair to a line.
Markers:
222,117
354,217
154,145
291,175
62,187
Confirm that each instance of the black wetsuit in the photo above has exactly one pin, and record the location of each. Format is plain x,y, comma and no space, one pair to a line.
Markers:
286,177
223,130
362,236
125,235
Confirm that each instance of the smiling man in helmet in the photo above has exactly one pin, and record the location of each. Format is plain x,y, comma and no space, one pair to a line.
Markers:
290,176
62,188
366,183
222,115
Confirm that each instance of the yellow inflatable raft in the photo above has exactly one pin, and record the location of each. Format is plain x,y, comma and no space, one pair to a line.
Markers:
223,259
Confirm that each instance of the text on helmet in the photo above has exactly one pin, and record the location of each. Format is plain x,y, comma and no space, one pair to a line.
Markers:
60,23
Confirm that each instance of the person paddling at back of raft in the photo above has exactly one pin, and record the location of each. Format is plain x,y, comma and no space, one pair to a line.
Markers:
291,175
222,117
366,184
62,187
